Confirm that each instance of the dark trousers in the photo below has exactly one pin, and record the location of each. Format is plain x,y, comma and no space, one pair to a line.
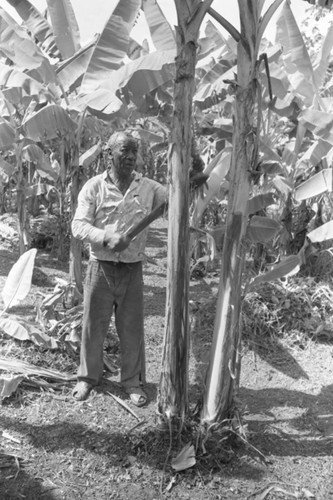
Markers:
113,287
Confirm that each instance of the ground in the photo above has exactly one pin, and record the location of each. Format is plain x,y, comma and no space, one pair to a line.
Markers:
53,447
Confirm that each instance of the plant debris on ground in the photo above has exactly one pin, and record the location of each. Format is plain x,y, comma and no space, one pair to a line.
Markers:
278,446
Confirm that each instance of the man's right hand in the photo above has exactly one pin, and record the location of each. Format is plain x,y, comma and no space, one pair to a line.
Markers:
115,241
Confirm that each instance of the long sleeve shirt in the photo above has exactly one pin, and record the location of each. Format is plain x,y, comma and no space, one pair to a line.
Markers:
101,204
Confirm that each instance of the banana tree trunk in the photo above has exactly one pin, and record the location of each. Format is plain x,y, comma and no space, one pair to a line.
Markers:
23,224
173,388
75,258
223,368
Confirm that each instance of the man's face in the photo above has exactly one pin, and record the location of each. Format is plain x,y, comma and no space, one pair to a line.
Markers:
124,155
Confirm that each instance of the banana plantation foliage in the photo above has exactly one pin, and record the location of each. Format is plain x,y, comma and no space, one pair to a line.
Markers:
252,116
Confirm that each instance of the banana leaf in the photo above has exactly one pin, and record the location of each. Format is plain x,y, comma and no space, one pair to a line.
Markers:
71,71
322,233
319,122
9,385
262,229
287,267
317,184
23,330
18,366
11,77
7,135
37,25
6,170
112,44
260,202
161,33
216,176
65,27
17,46
18,282
323,58
315,153
49,122
140,76
35,154
295,55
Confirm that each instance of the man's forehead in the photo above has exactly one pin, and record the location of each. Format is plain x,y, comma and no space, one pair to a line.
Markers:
129,142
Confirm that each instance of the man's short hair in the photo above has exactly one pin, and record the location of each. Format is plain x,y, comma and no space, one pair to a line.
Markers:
118,136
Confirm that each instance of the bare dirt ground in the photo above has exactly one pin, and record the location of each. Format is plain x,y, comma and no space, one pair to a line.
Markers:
52,447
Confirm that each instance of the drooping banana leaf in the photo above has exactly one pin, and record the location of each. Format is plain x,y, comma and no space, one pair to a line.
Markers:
161,33
212,41
315,185
262,229
140,76
319,122
260,202
287,267
48,123
23,330
35,154
322,233
295,55
112,44
216,176
7,135
37,25
90,155
13,364
11,77
71,71
18,282
9,385
6,170
315,153
65,26
16,44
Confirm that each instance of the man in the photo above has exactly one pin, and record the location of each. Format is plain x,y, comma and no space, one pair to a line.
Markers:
108,205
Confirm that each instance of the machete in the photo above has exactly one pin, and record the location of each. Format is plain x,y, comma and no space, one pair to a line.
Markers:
196,181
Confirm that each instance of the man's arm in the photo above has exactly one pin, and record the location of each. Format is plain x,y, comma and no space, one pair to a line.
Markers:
83,222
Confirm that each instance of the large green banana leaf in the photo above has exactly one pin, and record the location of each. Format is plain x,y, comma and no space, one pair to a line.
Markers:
295,56
141,76
161,33
112,44
212,41
287,267
319,122
6,170
314,154
262,229
322,233
217,170
216,83
260,202
317,184
17,46
35,154
37,25
18,282
48,123
65,27
11,77
7,135
323,58
71,71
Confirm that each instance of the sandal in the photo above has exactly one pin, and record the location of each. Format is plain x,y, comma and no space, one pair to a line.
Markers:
137,396
82,390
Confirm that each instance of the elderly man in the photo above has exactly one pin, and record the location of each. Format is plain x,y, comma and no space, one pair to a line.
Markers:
108,205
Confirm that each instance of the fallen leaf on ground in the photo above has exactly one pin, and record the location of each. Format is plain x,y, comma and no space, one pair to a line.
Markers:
185,459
